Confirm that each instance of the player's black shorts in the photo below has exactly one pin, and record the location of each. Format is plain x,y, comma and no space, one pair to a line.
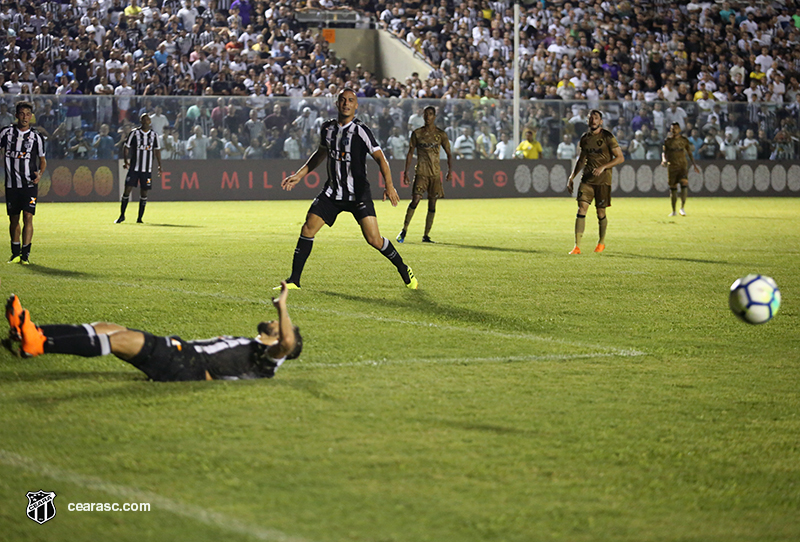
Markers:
21,199
328,209
134,178
169,359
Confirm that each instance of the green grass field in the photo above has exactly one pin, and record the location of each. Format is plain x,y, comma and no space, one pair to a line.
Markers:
519,395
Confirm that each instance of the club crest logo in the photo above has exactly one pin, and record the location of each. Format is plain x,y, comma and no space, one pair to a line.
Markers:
40,506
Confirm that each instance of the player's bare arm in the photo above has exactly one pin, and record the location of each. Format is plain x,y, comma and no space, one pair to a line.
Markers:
42,167
448,152
409,157
157,154
389,191
124,157
619,158
577,169
311,164
287,340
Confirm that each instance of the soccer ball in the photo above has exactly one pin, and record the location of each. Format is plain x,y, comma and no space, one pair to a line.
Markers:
755,298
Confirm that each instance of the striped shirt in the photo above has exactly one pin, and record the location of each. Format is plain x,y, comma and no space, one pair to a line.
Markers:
347,148
22,151
142,146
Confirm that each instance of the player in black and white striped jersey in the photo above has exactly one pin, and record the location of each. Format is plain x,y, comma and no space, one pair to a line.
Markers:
346,142
144,146
24,161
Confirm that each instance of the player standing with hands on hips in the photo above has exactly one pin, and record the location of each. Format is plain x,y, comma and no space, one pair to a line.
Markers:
427,173
143,144
345,142
600,152
24,160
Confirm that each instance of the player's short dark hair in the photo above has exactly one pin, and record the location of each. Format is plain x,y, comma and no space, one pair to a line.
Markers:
298,339
596,111
23,105
678,124
431,108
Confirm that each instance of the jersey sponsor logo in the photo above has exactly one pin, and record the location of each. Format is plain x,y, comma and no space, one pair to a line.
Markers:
18,155
32,202
339,155
40,506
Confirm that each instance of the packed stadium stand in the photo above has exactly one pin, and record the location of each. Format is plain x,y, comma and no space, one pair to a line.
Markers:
263,73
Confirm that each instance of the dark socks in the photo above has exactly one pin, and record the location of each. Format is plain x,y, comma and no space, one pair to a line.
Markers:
142,205
301,253
15,249
392,255
26,251
78,345
123,205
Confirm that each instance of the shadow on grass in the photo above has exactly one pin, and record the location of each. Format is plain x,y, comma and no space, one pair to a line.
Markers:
665,258
173,225
52,272
135,386
314,388
56,376
480,427
490,249
421,302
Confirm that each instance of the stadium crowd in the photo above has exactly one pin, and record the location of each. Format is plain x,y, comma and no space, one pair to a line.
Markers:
239,79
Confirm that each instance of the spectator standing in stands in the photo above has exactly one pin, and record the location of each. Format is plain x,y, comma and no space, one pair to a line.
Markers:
486,143
505,148
197,145
233,149
748,147
398,144
566,149
464,145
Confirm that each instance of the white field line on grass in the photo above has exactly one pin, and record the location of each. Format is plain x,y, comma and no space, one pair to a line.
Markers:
157,502
344,314
502,359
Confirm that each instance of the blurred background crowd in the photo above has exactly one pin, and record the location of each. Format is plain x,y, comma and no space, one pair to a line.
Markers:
239,79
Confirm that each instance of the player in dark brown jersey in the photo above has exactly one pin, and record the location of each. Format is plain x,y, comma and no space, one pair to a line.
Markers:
427,173
673,157
164,359
600,152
